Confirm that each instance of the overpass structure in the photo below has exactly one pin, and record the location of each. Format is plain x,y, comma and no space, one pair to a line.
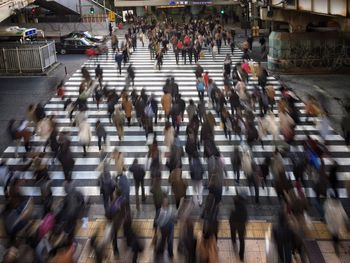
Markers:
10,7
307,35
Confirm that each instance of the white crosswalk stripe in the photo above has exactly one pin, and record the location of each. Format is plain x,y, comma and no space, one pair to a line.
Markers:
134,143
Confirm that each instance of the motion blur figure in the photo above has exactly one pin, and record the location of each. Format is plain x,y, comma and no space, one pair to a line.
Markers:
336,219
238,220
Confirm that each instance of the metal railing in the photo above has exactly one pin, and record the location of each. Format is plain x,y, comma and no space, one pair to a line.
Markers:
27,58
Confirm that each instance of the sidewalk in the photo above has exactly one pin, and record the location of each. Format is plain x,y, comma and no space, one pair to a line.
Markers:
255,246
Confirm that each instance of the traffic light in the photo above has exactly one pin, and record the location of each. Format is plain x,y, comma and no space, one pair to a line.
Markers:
92,10
222,11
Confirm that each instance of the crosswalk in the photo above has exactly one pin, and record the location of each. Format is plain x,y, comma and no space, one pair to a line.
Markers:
134,143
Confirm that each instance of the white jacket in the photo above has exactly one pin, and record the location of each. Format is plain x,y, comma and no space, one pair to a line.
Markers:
169,136
84,133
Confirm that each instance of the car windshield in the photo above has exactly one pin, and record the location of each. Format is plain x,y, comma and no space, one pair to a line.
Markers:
86,42
87,34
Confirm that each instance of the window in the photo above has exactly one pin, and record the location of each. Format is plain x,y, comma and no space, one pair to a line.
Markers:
338,7
320,6
305,5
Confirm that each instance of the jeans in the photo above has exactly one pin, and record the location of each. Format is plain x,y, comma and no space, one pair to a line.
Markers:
99,141
167,232
198,191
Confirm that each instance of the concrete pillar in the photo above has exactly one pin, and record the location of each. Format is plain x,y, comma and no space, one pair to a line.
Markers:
195,9
140,10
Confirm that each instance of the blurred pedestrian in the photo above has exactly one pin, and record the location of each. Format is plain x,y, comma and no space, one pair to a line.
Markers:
107,187
139,174
336,219
165,222
238,220
196,173
85,135
118,120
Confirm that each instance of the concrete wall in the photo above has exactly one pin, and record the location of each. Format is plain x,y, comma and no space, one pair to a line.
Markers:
298,20
308,51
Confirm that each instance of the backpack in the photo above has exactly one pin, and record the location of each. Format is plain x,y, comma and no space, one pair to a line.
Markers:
148,111
107,184
200,86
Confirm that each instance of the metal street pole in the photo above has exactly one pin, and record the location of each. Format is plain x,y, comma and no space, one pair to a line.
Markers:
80,8
104,7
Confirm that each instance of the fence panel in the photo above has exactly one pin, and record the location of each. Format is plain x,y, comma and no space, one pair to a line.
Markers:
27,58
12,60
2,61
30,59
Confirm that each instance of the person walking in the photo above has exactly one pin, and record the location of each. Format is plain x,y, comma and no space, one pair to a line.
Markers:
336,219
190,51
131,74
65,155
127,107
236,163
165,222
196,172
169,135
84,135
139,175
118,158
99,74
238,221
124,186
118,120
200,88
178,185
166,102
159,59
101,134
333,178
191,110
119,59
107,187
114,42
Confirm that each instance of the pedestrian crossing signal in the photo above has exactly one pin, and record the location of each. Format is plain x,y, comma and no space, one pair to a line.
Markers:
92,10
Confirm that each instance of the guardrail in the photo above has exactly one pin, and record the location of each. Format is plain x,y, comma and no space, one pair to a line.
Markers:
27,58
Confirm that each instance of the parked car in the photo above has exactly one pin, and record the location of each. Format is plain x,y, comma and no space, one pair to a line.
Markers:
85,34
74,45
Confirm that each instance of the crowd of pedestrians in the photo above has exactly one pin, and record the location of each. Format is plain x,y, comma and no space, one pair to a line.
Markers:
247,114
